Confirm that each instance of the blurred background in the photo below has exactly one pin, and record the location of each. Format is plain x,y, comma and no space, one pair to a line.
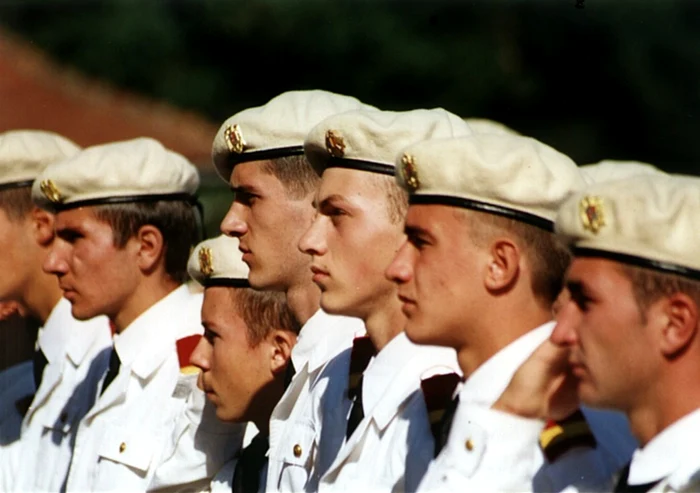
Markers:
596,79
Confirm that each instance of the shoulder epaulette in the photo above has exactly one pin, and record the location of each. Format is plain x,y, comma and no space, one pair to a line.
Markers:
362,352
558,437
437,392
185,347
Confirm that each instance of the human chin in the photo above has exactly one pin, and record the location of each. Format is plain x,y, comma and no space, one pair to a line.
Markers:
334,301
418,331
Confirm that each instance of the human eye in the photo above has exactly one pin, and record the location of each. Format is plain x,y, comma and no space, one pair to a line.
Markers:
69,235
210,335
418,240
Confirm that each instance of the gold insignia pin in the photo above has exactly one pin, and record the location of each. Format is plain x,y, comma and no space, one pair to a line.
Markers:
205,261
234,139
335,145
409,172
592,215
50,191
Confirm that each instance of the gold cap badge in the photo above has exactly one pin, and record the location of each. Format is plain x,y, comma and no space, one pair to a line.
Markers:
335,145
50,191
592,215
205,261
234,139
409,173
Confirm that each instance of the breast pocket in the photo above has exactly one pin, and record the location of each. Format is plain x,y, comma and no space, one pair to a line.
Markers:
295,457
134,448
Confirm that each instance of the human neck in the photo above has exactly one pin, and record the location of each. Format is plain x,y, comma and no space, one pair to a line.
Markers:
304,299
41,294
663,403
150,291
270,395
501,323
384,322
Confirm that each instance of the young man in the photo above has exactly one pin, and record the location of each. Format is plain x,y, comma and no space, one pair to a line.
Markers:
628,335
247,343
358,228
125,223
71,356
479,273
259,151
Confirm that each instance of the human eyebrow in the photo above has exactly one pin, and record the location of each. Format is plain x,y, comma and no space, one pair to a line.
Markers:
333,204
417,236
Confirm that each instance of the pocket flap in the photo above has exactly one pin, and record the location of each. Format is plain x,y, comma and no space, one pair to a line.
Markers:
133,448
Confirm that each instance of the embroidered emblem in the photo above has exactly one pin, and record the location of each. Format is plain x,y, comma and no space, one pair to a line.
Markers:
335,145
50,191
206,261
234,139
592,215
409,173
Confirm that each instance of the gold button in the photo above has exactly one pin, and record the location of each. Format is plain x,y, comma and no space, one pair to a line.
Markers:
122,447
297,450
469,444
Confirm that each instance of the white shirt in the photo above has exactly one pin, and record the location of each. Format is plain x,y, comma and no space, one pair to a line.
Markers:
129,432
77,353
295,427
488,450
392,446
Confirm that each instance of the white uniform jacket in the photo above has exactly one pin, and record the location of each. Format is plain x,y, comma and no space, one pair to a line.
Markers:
295,429
128,433
488,450
78,354
16,391
392,446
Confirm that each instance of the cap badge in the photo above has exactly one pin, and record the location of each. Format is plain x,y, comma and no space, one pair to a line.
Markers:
206,261
592,215
234,139
335,145
409,173
50,191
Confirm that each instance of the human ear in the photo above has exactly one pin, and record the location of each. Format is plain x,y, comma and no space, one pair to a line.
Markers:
679,318
281,342
503,265
151,247
43,225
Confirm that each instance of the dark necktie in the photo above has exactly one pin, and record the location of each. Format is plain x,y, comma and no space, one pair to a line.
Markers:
362,352
39,362
357,414
113,370
623,487
445,424
289,373
246,475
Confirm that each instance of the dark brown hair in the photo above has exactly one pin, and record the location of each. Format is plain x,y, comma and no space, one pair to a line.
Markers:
176,221
16,202
263,311
295,173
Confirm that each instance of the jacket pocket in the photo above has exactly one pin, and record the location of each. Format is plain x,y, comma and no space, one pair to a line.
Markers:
132,447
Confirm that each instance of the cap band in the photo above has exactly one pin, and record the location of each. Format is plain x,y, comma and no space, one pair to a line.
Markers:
125,199
624,258
225,282
524,217
233,159
16,184
359,164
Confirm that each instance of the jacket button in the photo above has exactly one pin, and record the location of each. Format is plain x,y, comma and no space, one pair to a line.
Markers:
469,444
122,447
297,450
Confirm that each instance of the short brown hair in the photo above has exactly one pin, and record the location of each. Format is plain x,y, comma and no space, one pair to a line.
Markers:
295,173
16,202
176,221
649,285
263,311
547,256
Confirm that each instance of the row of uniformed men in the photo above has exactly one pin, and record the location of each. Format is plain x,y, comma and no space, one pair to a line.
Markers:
431,242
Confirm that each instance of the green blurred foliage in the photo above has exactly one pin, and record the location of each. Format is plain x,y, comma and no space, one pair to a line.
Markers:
617,79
